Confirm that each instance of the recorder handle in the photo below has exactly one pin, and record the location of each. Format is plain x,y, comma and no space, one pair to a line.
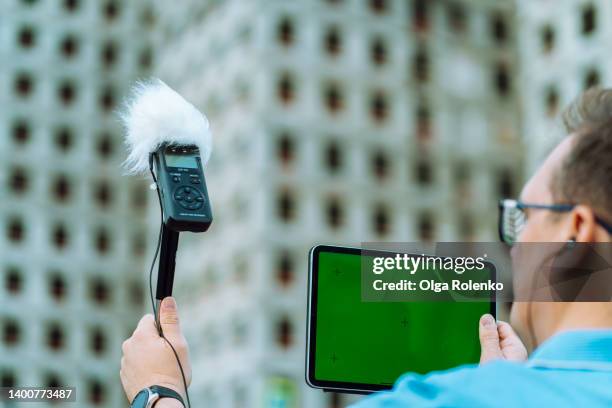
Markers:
167,258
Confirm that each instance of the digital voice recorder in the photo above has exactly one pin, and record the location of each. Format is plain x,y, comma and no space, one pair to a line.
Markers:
181,184
184,201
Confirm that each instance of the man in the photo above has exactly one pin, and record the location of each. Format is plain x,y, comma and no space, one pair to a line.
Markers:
572,361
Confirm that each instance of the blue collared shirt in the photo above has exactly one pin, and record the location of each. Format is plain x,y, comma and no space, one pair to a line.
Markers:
572,369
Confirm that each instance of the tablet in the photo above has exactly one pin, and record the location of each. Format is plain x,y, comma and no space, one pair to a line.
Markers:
361,347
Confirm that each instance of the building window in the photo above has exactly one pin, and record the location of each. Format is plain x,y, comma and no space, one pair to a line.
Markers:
57,286
53,381
284,333
109,54
13,280
552,102
63,139
423,117
334,213
457,17
285,269
102,241
139,196
18,180
499,28
59,236
136,293
424,173
104,146
71,5
97,341
505,184
333,41
378,51
8,378
15,230
420,65
61,189
378,6
379,164
111,10
380,220
139,244
502,80
285,148
548,38
55,336
69,46
285,31
103,193
106,100
426,227
591,78
420,15
99,290
333,157
11,332
589,19
145,59
66,92
286,206
334,99
97,392
379,107
285,89
21,132
466,227
336,400
24,84
27,37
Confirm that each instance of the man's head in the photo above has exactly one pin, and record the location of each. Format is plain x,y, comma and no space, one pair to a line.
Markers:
578,172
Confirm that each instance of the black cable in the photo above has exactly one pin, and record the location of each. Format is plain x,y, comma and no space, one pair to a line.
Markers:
155,312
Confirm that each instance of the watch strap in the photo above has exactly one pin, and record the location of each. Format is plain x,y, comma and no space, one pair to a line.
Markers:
165,392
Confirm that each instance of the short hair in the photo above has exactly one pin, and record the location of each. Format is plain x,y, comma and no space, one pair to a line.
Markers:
585,174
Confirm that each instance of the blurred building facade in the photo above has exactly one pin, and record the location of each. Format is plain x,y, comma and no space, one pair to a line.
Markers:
74,230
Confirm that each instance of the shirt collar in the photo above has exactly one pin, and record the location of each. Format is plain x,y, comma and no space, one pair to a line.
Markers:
591,349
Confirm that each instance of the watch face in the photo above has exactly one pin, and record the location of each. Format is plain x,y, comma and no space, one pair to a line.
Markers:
141,399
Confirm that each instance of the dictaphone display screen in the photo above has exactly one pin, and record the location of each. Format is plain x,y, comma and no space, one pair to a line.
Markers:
366,346
181,160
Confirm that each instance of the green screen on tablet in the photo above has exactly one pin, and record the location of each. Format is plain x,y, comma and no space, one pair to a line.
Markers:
368,345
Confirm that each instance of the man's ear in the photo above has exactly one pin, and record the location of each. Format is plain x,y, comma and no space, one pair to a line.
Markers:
583,224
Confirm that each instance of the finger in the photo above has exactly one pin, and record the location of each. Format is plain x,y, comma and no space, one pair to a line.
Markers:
124,346
169,318
146,326
512,347
489,339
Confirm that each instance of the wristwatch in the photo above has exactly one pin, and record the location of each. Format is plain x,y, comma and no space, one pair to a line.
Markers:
148,397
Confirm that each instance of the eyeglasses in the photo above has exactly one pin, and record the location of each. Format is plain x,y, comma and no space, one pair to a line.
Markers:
512,217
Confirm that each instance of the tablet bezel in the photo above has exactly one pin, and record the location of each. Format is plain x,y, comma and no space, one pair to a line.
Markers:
313,271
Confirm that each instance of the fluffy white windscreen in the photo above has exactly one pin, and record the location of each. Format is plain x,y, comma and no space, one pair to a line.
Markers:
155,114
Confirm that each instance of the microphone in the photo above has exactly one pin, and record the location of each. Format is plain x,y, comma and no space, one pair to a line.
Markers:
168,137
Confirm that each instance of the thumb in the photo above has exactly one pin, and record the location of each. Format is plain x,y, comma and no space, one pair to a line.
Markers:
168,317
512,347
489,339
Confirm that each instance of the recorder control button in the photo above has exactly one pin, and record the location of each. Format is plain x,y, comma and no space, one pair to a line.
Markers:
189,198
195,180
176,179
